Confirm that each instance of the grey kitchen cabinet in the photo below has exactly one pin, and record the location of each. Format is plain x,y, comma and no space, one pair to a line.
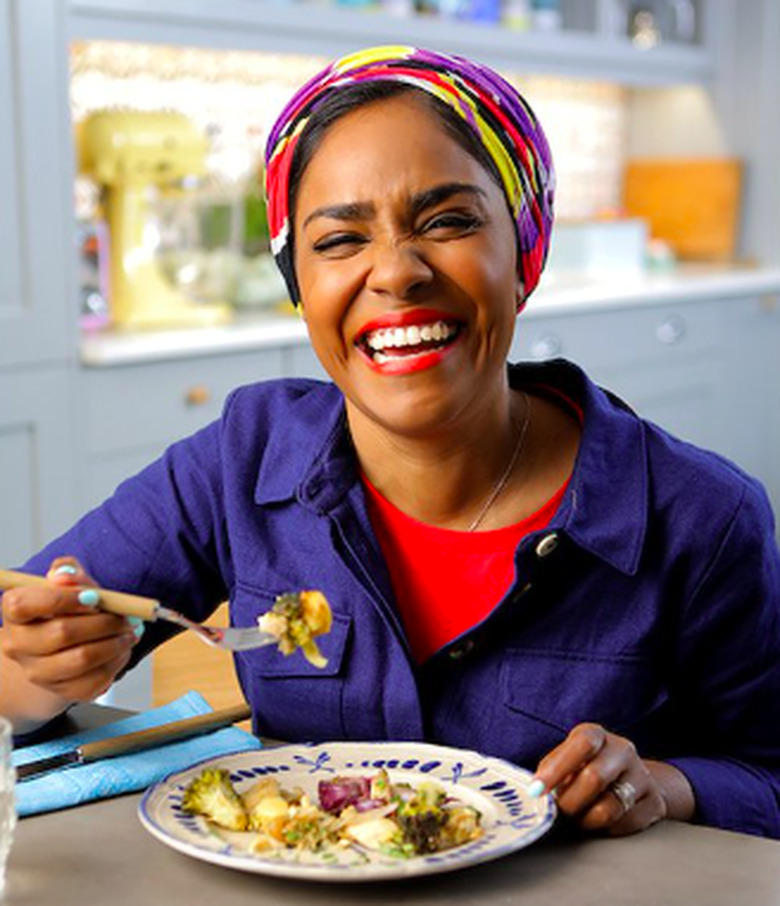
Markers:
37,323
301,361
37,310
750,390
663,360
773,396
615,341
36,491
131,413
707,371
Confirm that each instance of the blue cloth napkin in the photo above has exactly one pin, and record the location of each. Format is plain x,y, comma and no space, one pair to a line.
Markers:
125,773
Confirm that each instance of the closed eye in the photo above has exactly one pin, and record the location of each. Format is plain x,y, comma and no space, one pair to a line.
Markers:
338,245
452,223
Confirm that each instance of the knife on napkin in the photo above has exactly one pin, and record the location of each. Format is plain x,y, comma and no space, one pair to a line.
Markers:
135,742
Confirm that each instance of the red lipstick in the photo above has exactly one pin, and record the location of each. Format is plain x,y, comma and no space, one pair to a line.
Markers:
404,319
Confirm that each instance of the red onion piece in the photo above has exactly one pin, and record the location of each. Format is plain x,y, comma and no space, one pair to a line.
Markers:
335,795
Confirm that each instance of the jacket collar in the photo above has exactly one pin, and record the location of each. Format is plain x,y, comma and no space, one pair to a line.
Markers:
309,457
605,509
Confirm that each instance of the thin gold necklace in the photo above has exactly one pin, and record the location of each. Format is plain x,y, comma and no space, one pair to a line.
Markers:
502,481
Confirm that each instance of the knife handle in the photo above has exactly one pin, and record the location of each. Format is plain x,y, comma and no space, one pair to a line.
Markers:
164,734
117,602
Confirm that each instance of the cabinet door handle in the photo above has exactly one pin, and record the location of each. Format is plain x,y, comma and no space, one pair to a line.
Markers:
546,347
198,395
671,330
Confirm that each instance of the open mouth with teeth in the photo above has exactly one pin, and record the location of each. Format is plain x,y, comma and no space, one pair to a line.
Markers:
388,345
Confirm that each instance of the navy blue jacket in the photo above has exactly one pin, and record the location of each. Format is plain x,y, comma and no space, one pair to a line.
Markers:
650,604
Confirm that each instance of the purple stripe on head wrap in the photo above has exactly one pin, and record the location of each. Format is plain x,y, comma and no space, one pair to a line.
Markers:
492,108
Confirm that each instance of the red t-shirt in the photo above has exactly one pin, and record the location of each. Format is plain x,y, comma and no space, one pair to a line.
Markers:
446,581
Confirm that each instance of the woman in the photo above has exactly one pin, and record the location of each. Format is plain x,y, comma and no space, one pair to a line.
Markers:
516,562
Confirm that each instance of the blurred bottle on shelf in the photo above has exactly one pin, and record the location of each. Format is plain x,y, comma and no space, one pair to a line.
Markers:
449,9
94,285
404,9
643,27
486,11
654,21
427,7
516,15
546,15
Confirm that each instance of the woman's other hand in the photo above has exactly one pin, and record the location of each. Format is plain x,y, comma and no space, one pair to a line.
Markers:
67,648
602,784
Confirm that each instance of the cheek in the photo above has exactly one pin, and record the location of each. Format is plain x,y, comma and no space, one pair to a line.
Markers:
326,341
327,285
488,275
325,307
505,280
324,316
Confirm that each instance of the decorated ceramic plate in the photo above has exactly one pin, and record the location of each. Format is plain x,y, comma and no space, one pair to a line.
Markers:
510,818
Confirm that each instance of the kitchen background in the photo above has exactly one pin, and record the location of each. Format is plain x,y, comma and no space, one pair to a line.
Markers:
138,126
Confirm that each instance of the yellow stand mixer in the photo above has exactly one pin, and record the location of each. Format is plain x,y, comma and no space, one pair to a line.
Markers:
133,155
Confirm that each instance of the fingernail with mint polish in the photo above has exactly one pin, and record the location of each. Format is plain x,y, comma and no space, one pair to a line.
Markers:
89,597
66,570
535,788
137,625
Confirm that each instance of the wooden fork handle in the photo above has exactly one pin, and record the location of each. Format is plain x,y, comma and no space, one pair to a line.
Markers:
111,601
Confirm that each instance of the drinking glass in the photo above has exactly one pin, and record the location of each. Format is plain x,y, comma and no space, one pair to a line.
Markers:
7,806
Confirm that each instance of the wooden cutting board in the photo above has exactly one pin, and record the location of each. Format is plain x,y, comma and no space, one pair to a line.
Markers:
693,204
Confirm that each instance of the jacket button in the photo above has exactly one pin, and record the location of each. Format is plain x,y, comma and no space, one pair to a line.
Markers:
461,650
547,545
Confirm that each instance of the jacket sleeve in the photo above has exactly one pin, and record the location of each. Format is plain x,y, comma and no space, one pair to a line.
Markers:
728,671
159,535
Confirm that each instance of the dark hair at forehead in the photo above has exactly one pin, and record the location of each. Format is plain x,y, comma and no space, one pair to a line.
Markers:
359,94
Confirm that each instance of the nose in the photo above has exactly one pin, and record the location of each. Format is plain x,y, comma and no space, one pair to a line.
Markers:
397,268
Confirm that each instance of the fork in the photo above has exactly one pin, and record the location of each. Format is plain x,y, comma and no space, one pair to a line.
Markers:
149,610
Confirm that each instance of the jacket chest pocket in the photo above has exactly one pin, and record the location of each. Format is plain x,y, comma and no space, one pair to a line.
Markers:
291,698
553,691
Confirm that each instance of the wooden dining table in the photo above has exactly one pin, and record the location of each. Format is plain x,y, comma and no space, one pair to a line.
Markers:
100,853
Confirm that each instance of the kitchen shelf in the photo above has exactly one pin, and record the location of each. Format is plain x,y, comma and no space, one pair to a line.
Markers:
298,28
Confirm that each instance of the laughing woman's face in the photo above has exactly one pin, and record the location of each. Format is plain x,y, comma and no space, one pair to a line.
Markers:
405,257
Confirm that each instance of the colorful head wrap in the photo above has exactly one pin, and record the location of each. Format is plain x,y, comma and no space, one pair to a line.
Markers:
491,107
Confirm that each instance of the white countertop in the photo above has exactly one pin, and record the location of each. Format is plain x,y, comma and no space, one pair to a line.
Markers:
557,294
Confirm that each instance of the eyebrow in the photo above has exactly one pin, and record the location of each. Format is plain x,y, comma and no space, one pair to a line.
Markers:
364,210
352,210
436,195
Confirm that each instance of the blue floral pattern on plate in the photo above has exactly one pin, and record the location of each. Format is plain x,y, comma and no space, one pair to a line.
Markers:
511,819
